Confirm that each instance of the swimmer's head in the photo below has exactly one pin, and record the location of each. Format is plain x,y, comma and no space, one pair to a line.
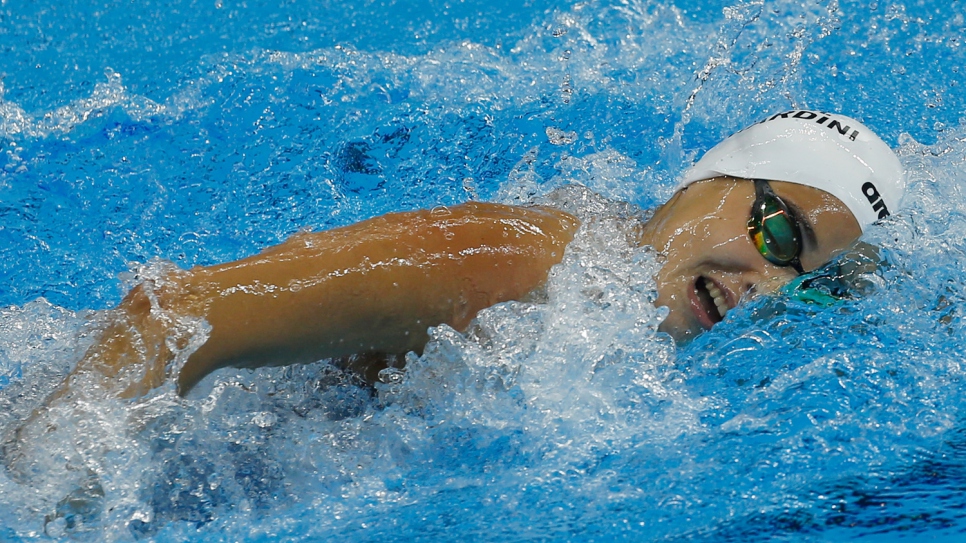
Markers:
830,152
776,200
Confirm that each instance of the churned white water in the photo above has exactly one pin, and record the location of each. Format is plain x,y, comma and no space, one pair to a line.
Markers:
133,140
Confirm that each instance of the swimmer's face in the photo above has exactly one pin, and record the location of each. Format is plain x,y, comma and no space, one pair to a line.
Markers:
711,262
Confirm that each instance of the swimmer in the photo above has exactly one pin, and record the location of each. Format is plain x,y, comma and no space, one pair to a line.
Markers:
774,201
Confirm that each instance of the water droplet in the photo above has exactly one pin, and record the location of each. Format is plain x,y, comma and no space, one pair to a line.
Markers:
560,137
264,419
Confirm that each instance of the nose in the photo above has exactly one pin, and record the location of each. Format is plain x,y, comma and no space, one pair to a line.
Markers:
769,279
745,272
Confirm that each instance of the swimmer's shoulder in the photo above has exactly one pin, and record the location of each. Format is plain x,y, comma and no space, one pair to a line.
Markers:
590,207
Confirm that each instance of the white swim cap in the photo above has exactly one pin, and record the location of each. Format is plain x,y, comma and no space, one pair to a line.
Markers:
829,152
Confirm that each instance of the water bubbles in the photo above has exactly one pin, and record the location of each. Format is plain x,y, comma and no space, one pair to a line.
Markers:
566,89
264,419
550,413
560,137
469,186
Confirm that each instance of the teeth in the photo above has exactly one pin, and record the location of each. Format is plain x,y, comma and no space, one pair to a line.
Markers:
717,296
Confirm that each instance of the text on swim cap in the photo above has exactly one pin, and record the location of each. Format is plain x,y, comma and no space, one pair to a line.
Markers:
878,204
806,115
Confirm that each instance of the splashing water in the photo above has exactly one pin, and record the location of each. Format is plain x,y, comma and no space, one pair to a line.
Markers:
208,131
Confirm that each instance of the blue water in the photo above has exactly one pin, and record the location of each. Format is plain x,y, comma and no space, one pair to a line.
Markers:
200,132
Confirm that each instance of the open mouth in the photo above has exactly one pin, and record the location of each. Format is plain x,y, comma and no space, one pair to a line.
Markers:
712,302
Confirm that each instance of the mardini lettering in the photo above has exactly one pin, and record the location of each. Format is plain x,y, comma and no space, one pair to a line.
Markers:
819,118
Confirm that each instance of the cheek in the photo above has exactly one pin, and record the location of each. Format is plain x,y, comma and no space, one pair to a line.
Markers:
707,244
693,239
715,238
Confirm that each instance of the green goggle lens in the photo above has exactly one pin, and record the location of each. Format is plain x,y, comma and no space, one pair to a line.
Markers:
773,228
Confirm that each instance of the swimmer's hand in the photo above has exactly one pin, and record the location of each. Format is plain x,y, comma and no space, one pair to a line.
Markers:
370,288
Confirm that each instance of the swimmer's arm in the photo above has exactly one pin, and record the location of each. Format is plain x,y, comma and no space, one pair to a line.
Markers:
372,287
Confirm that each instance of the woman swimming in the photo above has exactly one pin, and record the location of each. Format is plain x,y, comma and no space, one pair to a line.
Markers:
774,201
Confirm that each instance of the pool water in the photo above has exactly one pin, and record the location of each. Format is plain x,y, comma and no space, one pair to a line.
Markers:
133,137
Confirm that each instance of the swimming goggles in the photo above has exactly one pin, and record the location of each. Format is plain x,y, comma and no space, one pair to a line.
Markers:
774,228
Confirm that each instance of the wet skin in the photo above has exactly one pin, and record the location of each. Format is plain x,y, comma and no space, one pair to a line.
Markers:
701,232
373,288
